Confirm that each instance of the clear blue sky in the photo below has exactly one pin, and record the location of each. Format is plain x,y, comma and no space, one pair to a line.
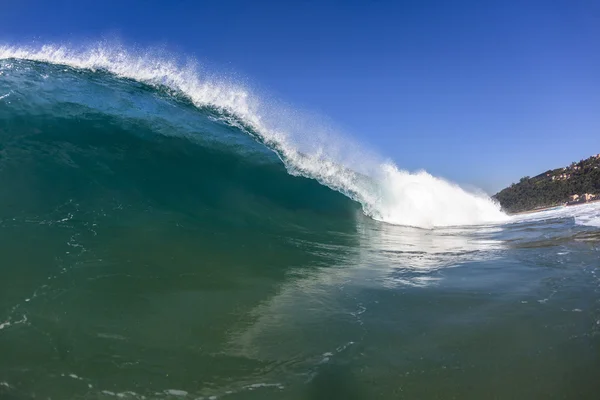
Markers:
480,92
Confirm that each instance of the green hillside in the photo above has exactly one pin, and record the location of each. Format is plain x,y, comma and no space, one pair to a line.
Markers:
553,187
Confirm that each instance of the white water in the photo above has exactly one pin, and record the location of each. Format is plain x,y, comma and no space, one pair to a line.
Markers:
584,214
307,148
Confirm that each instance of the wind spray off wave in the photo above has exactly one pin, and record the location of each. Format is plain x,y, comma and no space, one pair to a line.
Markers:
306,147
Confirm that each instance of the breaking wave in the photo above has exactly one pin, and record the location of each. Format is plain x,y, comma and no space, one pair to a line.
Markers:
36,80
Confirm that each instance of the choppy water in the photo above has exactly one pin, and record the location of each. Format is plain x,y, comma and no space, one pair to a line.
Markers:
161,239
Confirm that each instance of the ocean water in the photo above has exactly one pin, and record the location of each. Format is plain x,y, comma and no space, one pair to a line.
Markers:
166,234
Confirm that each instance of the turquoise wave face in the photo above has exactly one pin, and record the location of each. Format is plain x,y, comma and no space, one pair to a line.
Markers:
87,137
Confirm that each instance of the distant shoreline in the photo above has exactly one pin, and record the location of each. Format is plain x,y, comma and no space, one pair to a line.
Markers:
535,210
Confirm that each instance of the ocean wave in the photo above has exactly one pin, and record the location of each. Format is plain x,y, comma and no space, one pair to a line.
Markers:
307,148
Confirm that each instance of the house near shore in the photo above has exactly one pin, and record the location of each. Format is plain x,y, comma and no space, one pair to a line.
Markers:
580,199
589,197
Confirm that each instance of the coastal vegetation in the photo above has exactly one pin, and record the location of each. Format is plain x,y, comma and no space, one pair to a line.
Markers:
577,183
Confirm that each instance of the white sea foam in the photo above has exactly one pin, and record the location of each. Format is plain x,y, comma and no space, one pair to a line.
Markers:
589,220
176,392
308,147
9,322
264,385
585,214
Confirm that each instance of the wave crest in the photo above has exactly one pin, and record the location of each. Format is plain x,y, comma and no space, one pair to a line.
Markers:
310,149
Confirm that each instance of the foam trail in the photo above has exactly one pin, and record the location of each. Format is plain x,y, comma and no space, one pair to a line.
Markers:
589,222
584,214
588,215
387,194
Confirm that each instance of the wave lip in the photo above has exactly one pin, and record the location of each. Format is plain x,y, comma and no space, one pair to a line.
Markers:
385,192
